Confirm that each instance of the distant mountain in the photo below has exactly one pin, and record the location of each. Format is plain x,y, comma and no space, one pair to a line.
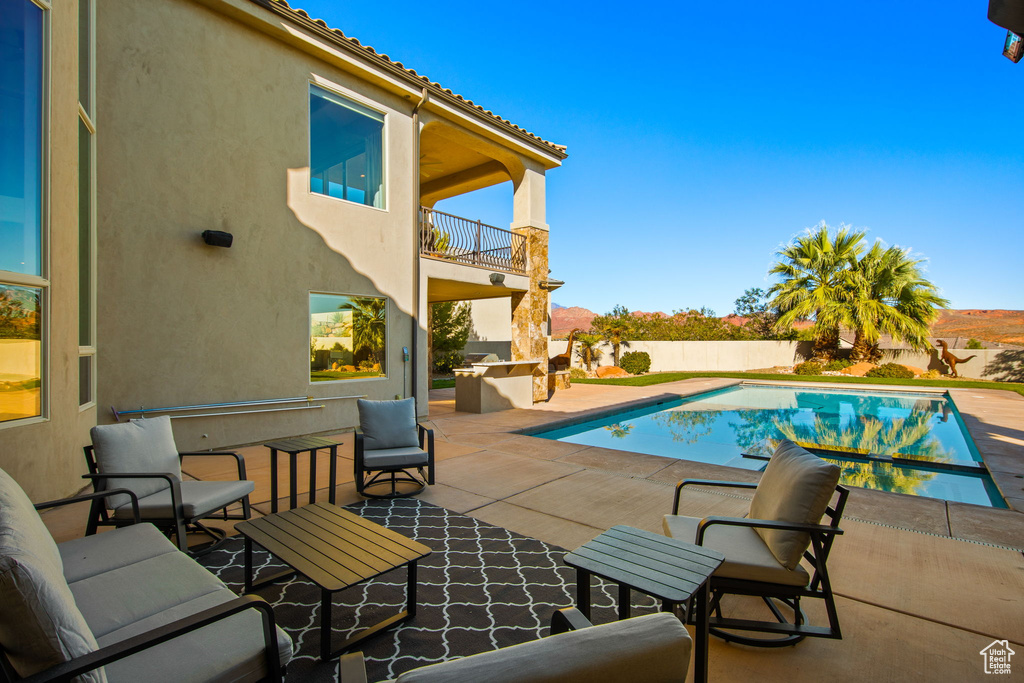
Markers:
555,307
984,325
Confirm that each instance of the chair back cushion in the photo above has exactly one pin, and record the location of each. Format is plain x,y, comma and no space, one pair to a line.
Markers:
388,424
40,624
651,648
143,446
796,487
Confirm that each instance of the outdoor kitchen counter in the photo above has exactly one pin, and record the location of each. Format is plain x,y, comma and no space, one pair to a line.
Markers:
498,385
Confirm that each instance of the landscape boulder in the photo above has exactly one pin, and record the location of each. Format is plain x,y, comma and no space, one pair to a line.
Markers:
611,371
858,369
917,371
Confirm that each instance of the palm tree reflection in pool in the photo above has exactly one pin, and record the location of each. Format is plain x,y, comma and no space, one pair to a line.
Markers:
619,430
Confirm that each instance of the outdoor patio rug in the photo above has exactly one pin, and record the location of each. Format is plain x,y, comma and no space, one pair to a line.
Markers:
482,588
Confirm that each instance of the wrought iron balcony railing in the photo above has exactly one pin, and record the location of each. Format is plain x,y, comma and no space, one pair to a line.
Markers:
473,243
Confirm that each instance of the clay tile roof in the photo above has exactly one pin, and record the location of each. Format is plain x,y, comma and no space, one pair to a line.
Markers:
302,18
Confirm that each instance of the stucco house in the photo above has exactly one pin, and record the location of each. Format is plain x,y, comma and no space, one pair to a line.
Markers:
145,124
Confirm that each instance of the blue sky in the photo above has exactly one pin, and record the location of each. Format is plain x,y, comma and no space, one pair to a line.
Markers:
701,139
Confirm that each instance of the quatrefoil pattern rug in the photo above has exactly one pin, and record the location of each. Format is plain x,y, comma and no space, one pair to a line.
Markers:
482,588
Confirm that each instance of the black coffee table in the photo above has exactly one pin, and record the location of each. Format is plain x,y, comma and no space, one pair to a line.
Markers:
335,549
665,568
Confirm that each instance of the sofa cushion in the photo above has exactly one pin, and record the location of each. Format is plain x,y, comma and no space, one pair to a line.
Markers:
140,446
410,456
229,650
746,555
91,555
796,487
198,499
40,625
655,647
123,596
388,424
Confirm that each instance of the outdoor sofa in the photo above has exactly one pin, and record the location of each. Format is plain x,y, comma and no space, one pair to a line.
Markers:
127,600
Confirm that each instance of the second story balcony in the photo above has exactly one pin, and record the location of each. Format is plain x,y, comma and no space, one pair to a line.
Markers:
472,243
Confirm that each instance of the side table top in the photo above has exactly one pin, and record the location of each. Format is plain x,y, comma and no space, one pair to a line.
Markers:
302,443
332,547
660,566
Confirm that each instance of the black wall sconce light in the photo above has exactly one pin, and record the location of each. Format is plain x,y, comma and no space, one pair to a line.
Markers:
217,238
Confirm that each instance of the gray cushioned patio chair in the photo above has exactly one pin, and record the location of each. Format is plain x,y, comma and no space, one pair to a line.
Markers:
763,551
650,649
141,456
389,442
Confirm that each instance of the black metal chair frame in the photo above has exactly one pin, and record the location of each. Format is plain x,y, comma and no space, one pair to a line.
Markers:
179,523
67,671
790,632
394,474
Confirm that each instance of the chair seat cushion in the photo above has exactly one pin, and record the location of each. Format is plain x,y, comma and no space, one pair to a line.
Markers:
91,555
395,457
746,555
198,498
40,625
655,647
228,650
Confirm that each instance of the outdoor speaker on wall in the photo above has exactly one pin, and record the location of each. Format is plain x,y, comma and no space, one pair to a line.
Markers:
217,238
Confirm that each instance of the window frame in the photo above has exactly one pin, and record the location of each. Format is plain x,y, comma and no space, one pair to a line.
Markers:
42,281
387,333
88,118
359,101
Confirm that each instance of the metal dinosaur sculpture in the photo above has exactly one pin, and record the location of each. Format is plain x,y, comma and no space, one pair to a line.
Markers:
562,360
951,360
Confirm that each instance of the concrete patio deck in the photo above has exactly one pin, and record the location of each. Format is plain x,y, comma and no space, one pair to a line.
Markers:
923,584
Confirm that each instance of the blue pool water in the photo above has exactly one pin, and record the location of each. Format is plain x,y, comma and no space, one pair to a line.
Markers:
741,425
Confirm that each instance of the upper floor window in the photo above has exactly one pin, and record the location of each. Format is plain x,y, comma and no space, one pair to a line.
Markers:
21,137
346,149
24,288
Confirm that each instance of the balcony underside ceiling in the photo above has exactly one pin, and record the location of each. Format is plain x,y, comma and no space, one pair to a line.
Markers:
448,281
449,168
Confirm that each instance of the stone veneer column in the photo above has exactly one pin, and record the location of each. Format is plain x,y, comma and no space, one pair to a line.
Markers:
530,311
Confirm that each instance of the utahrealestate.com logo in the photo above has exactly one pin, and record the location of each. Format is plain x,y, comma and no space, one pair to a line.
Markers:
997,657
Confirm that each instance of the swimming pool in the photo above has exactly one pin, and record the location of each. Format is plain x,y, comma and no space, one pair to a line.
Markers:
912,443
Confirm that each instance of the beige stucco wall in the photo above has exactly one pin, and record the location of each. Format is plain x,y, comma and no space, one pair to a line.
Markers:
45,455
692,356
206,127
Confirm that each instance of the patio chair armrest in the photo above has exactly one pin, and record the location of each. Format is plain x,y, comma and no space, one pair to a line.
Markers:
568,619
66,671
174,482
351,668
708,482
239,459
94,496
817,529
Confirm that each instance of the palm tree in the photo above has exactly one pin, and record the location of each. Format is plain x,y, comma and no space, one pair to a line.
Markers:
588,352
814,270
369,321
888,295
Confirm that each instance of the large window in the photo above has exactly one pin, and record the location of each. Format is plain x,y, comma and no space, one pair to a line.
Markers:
23,283
346,149
347,337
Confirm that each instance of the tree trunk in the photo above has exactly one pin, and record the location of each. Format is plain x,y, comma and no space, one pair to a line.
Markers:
826,345
861,352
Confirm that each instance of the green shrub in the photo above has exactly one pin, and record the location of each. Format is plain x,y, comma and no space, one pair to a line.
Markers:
635,362
808,368
974,344
890,371
837,365
577,373
445,362
932,374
